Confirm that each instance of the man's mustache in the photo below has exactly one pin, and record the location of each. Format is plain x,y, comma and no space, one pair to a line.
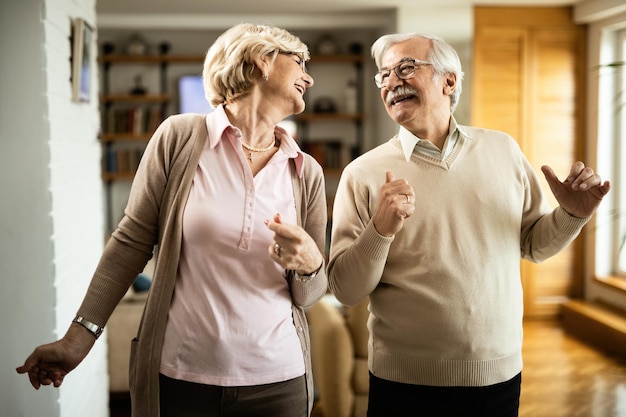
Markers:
403,90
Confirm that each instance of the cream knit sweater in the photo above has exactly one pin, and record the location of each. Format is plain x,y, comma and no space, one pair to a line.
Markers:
445,292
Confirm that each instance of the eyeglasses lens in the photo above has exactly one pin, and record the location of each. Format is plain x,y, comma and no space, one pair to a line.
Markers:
403,70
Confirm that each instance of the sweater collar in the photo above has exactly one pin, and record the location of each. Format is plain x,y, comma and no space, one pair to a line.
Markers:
409,141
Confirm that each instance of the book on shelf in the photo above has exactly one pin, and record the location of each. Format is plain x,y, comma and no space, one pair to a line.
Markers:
329,153
135,120
123,160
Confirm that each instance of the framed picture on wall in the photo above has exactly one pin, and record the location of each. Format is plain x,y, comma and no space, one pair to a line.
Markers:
82,40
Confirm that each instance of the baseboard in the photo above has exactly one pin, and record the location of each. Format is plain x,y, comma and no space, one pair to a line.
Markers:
596,323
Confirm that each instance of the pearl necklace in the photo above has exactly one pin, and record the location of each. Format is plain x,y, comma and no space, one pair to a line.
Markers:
258,150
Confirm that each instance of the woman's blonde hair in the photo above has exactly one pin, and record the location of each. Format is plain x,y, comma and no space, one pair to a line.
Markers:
229,64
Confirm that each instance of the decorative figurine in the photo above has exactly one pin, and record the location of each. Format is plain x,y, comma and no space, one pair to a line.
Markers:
136,45
164,48
108,48
324,105
327,45
138,89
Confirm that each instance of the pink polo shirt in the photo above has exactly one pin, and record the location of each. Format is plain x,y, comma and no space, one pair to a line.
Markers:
230,321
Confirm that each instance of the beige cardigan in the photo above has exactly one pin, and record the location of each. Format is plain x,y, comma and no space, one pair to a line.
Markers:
152,217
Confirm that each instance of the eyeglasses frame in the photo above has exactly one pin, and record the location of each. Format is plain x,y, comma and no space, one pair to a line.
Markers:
299,55
418,63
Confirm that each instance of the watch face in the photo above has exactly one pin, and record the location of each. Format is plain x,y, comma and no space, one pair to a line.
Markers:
304,278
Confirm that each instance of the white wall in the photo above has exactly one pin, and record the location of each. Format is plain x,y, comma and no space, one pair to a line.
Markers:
51,215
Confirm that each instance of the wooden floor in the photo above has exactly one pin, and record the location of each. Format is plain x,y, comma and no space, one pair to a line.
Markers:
562,377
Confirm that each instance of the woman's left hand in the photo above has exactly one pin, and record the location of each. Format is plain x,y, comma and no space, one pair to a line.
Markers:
293,248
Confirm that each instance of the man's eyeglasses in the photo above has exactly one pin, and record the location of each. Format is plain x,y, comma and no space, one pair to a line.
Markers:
404,70
300,59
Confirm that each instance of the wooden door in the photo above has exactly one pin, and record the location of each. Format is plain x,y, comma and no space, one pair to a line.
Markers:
528,80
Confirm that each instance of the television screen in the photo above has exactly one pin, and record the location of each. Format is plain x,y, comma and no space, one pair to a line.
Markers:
191,95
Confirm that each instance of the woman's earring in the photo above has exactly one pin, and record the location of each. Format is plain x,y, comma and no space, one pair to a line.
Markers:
265,77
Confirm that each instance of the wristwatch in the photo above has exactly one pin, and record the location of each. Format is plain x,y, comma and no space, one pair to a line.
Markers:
92,327
307,277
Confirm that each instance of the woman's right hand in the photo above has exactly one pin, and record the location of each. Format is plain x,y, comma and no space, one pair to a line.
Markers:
48,364
297,250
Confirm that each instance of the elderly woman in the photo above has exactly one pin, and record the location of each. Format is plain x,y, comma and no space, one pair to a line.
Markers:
238,214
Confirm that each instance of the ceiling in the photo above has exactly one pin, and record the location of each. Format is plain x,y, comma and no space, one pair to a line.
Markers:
194,7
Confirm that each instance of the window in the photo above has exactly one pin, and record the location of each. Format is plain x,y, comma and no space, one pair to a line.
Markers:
611,220
620,155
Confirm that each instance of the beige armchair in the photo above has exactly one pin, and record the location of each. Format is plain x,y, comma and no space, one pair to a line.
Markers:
339,352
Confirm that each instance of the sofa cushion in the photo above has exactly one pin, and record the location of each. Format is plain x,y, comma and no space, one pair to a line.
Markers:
356,319
361,377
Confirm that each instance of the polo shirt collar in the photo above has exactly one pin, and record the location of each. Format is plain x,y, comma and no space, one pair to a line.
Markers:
408,141
217,121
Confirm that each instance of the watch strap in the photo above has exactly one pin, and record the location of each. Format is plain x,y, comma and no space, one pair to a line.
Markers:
307,277
92,327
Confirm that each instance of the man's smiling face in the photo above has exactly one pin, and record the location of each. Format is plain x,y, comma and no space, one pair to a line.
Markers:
412,102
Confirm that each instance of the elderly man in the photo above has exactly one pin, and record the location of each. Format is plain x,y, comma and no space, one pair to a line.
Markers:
430,226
